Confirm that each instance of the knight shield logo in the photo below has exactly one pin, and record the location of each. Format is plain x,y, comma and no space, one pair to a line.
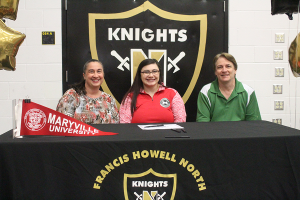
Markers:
123,40
150,185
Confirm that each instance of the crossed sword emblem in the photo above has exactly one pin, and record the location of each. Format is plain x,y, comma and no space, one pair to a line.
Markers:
159,197
172,63
123,62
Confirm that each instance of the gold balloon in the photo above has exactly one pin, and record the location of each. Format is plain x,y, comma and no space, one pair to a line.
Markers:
294,56
10,40
9,9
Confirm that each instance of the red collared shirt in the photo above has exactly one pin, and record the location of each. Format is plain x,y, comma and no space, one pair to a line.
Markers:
165,106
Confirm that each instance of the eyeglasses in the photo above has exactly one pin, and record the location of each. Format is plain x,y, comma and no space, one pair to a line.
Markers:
147,72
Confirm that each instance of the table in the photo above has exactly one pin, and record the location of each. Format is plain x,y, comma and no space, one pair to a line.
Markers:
219,160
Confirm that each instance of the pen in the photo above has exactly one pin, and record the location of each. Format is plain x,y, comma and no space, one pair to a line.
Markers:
176,130
182,136
156,125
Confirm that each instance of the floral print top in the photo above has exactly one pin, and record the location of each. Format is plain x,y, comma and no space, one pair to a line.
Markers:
101,110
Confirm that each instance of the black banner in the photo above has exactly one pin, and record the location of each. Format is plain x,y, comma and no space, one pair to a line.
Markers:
183,37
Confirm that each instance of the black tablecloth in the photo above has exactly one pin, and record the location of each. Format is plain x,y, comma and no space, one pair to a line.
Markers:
219,160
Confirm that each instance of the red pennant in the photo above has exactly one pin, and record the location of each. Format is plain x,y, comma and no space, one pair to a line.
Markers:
40,120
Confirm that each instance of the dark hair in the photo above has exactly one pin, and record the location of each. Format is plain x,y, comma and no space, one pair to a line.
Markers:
137,84
228,56
80,86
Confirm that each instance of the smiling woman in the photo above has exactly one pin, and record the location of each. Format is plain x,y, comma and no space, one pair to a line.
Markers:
148,100
226,99
85,102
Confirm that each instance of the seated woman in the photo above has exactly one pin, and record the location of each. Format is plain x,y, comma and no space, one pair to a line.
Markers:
85,102
148,100
226,99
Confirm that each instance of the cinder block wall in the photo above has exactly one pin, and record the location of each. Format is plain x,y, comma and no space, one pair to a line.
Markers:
38,74
252,30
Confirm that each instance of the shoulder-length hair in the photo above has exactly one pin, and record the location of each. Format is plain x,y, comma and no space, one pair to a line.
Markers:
80,86
137,85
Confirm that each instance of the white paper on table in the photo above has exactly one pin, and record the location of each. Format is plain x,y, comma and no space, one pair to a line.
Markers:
165,126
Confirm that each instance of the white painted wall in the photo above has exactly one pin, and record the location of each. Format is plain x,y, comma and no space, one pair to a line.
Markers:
38,74
252,29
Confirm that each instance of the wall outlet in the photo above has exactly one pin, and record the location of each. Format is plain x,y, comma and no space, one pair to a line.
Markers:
277,89
277,121
278,105
278,55
279,38
279,72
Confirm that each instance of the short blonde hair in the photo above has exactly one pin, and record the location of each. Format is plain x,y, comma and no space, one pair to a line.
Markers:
228,56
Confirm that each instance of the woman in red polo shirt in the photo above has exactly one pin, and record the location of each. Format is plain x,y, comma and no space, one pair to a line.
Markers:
148,100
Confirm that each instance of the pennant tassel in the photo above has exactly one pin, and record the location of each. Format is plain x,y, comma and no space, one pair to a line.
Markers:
34,119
